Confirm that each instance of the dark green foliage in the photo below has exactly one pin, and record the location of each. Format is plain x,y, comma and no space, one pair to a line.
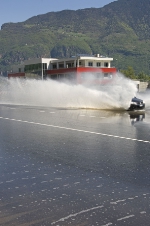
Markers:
120,30
130,73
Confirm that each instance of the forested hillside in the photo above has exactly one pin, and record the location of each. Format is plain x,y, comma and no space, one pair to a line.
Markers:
120,30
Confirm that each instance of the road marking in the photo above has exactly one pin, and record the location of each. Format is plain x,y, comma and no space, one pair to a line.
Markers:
52,112
124,218
76,214
78,130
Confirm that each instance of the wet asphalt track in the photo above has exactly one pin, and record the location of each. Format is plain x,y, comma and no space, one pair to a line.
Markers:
74,167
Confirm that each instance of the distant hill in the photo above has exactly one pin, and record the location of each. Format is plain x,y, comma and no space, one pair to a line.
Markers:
120,29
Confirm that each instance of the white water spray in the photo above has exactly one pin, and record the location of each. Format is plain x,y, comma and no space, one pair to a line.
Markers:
49,93
146,97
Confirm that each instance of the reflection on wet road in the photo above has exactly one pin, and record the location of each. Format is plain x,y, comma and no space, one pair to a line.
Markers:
74,167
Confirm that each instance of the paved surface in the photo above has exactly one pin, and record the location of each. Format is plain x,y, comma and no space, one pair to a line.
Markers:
74,167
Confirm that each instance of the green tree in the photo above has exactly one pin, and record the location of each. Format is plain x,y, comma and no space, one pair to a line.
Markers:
143,77
129,73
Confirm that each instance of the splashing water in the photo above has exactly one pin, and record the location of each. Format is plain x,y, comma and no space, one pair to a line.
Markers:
146,97
51,93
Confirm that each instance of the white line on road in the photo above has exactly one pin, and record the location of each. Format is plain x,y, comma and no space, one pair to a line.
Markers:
124,218
78,130
75,214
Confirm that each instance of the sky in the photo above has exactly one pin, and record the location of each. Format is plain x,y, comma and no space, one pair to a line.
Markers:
21,10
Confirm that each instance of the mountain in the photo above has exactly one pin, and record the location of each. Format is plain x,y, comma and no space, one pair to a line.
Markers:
120,30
